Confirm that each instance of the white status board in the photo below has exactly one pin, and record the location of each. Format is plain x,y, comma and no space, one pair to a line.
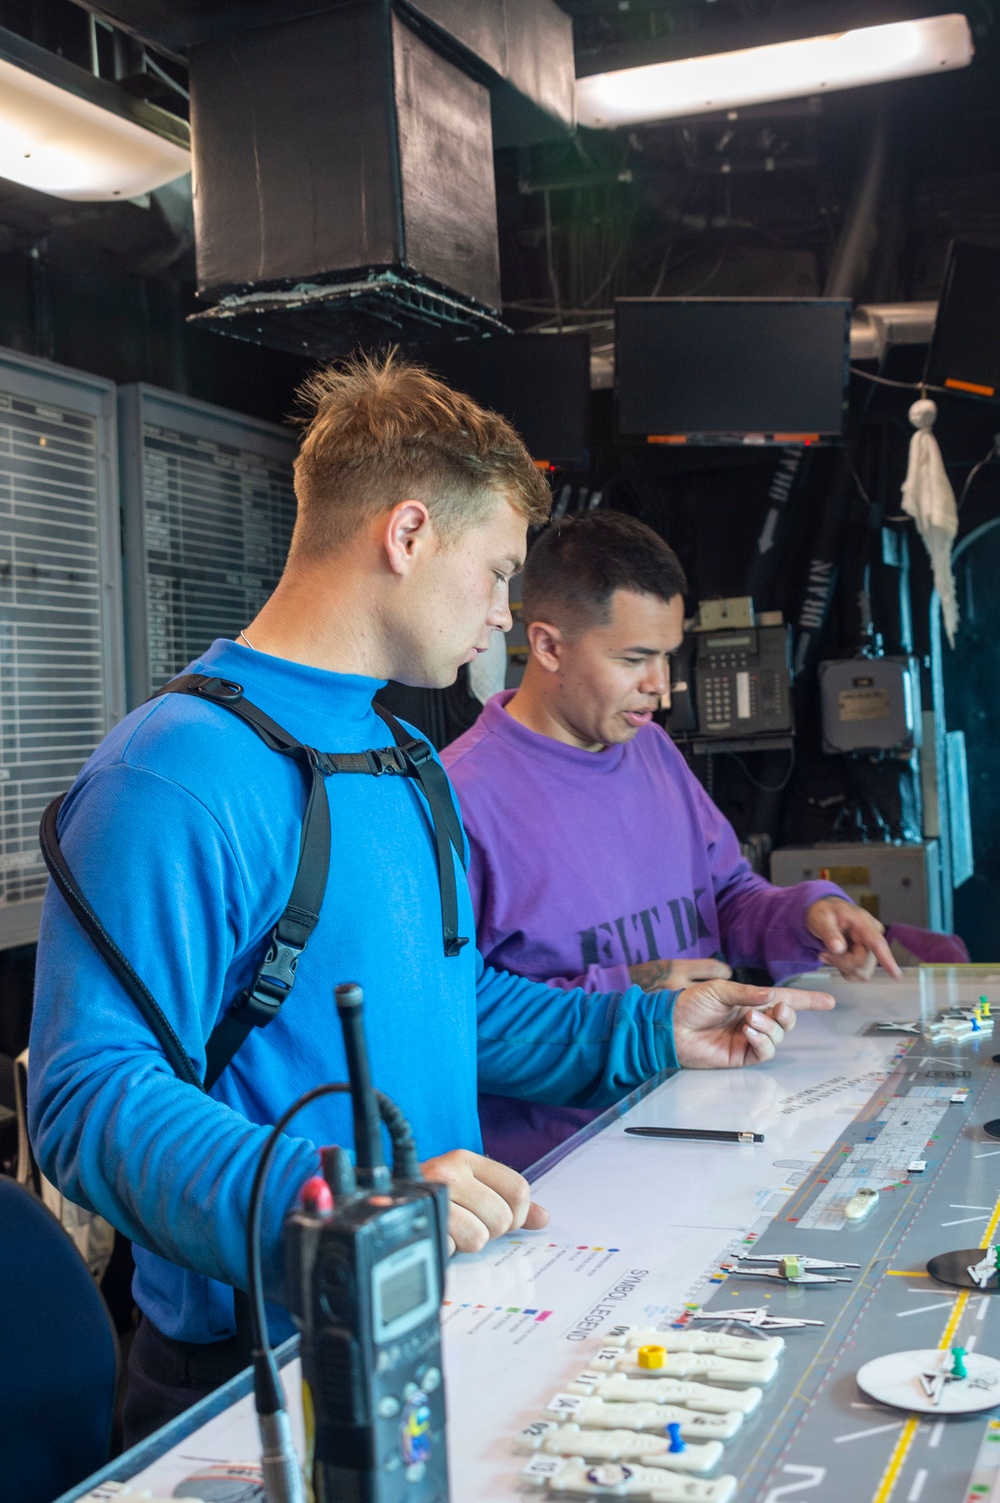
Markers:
208,509
639,1227
61,666
639,1230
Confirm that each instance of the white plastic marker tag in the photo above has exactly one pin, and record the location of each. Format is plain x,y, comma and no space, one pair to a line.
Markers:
616,1480
565,1403
695,1424
606,1358
704,1365
743,1348
620,1388
632,1445
533,1435
540,1468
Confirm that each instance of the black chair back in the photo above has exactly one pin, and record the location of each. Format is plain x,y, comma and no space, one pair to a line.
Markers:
58,1356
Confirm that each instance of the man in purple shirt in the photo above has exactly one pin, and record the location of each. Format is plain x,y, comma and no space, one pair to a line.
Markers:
597,858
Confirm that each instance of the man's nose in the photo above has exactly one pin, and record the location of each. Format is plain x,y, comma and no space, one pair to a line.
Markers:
500,618
656,679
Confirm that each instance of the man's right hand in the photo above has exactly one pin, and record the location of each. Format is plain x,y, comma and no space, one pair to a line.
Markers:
486,1199
672,975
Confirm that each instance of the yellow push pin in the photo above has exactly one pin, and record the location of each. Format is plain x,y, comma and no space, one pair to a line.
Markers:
984,1006
652,1356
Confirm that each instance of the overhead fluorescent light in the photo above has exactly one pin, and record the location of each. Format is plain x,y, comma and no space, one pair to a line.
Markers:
786,70
57,142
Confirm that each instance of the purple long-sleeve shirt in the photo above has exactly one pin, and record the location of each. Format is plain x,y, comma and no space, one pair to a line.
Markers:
585,863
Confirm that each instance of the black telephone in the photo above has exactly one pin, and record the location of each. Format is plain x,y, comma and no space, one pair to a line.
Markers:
732,684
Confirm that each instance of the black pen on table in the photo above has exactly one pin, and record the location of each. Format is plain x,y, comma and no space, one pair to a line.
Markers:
696,1134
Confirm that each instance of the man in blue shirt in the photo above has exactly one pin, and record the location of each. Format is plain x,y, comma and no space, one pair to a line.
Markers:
184,828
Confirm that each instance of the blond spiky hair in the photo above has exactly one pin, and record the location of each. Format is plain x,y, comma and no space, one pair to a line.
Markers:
380,430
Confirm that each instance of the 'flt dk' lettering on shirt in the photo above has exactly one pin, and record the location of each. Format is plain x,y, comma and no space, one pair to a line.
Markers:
660,932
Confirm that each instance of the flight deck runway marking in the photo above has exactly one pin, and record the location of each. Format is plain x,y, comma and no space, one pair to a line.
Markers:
901,1449
919,1310
873,1430
913,1495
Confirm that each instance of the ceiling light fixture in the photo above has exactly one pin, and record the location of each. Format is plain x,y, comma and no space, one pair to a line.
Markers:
60,143
785,70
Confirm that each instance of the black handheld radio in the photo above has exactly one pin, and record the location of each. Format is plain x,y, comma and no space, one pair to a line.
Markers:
364,1280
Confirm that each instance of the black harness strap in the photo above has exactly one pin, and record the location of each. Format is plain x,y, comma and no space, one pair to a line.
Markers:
118,963
263,998
447,830
271,986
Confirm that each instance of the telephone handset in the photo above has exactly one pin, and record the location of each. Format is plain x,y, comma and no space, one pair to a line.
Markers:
728,684
680,713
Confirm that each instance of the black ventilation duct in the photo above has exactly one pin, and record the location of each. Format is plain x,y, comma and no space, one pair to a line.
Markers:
344,166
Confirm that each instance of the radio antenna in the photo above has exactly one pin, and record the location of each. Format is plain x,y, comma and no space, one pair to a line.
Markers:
371,1167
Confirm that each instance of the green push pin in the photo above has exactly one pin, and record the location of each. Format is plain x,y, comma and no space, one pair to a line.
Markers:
958,1362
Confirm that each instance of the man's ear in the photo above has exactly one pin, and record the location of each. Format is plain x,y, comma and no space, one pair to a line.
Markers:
546,643
405,533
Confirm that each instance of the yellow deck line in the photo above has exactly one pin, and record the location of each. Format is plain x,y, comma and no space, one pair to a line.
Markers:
901,1449
907,1273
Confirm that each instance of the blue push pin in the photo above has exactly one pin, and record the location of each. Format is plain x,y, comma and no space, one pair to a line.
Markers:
676,1444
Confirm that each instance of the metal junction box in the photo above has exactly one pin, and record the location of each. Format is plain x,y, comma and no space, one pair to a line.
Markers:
870,704
899,884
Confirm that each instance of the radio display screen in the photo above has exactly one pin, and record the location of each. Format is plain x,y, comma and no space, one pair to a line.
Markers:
402,1292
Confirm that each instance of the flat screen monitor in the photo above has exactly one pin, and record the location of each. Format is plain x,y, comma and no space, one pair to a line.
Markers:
540,382
965,350
732,370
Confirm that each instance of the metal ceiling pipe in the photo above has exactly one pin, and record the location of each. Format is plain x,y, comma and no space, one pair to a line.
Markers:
859,232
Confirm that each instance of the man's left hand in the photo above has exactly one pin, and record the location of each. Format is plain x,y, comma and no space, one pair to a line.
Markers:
853,941
720,1025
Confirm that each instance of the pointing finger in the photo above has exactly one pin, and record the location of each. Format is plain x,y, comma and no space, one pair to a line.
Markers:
880,949
800,1001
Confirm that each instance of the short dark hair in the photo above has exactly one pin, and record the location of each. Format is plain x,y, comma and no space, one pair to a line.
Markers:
577,564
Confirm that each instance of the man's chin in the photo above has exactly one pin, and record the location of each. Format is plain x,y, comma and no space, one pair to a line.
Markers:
623,732
429,677
619,734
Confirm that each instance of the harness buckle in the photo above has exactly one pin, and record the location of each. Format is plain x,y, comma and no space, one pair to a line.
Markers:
275,979
382,760
220,688
417,752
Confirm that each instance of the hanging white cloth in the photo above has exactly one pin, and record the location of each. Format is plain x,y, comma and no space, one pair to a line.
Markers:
929,499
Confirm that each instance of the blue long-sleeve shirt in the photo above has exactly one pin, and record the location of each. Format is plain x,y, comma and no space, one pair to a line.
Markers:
183,829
